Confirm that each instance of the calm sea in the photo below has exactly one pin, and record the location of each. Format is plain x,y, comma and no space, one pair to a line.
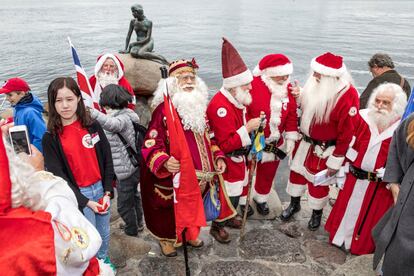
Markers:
34,45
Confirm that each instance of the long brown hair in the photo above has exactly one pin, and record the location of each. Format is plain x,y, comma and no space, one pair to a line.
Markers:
54,125
410,134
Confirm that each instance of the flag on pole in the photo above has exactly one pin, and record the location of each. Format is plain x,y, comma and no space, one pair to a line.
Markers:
188,204
258,144
410,106
85,87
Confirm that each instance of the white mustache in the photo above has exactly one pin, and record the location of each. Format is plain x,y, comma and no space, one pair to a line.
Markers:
187,86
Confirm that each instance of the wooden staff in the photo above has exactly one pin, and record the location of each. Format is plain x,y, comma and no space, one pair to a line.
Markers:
252,173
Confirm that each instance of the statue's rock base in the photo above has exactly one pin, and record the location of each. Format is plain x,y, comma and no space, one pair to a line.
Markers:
142,74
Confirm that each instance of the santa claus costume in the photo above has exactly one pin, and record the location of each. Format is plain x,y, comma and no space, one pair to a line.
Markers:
227,119
41,228
279,105
364,198
156,181
120,78
329,105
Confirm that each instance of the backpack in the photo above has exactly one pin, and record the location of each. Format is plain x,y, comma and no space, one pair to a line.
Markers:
139,135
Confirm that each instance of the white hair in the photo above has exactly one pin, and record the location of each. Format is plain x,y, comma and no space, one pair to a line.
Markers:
400,98
21,177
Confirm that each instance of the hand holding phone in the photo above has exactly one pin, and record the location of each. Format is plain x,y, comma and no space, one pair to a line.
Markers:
20,139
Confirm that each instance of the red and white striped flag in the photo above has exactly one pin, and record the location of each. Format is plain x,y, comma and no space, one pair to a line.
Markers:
85,87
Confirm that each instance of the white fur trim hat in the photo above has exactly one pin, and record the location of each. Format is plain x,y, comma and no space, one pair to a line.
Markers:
234,70
274,65
328,64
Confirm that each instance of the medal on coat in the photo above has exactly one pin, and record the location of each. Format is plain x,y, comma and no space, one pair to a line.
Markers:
79,237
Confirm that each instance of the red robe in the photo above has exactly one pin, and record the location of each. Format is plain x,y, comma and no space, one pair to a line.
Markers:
156,181
369,153
306,163
227,121
281,117
122,82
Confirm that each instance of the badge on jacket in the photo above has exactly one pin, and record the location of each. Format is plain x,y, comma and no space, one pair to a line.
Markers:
221,112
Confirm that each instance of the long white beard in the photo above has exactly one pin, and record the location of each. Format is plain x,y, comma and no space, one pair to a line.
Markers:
243,96
278,91
105,79
318,100
382,118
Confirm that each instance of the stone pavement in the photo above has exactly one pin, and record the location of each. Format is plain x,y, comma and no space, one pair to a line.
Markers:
270,247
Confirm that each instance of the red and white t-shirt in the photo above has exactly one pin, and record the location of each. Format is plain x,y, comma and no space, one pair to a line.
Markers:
79,149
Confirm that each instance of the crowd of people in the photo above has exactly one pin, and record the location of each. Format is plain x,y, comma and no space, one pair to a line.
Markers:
331,136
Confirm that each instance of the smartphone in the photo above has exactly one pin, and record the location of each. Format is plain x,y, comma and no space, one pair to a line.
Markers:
19,139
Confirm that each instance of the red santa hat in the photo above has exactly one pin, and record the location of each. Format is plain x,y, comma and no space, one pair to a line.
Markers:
101,59
274,65
234,70
328,64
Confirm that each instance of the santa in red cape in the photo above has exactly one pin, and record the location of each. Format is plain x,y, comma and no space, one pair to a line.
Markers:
110,70
329,104
42,231
226,113
365,198
271,94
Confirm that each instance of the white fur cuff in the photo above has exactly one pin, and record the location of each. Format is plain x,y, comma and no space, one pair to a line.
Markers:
292,135
238,80
335,162
244,136
267,157
317,203
296,190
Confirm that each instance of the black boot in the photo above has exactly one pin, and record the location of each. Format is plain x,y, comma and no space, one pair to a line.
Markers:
293,208
262,208
315,220
250,211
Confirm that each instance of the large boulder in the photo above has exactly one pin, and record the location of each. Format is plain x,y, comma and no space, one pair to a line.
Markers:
142,74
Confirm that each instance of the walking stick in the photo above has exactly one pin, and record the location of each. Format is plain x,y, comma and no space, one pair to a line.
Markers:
366,213
252,173
187,267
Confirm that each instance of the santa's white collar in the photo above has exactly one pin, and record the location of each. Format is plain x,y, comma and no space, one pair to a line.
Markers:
231,99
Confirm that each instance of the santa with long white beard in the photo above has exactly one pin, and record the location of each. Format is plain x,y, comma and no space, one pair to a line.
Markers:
329,104
189,96
226,113
110,70
364,198
42,231
271,95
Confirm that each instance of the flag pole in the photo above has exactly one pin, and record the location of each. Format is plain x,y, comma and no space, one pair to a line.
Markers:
164,75
187,267
252,173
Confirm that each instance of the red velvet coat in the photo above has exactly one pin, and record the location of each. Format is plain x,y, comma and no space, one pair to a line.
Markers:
369,153
227,122
156,181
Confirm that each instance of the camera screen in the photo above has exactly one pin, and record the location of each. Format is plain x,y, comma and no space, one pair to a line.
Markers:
20,143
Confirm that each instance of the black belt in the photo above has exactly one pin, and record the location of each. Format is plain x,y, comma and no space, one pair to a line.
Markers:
364,175
273,149
322,144
239,152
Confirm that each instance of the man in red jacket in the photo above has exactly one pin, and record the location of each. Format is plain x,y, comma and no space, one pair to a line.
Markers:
271,94
110,70
226,114
329,104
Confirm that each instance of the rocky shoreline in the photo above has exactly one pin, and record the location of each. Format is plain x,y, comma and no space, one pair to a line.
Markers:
270,247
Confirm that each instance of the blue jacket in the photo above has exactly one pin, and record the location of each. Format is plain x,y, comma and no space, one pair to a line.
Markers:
29,113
